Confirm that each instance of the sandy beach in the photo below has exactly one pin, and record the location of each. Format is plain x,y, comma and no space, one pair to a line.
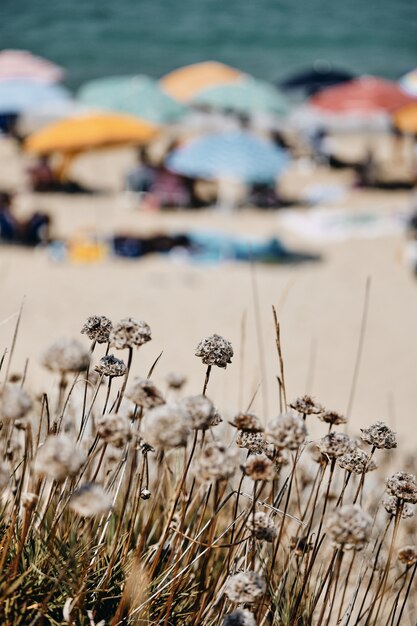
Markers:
319,304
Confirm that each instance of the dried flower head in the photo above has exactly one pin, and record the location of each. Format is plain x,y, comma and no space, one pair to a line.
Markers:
357,462
114,428
349,527
15,403
259,467
29,500
288,430
393,505
97,328
201,411
379,435
216,462
262,526
66,355
332,417
408,555
58,457
240,617
215,350
248,422
111,366
167,426
145,393
307,406
175,380
254,442
90,499
129,333
244,587
403,486
334,445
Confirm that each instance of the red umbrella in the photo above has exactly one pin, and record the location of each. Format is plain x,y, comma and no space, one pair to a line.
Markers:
21,64
367,95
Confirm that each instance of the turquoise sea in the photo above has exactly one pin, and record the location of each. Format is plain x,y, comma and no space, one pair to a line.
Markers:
268,38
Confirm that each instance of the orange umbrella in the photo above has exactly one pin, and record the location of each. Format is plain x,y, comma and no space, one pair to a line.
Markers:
406,119
367,95
77,134
185,82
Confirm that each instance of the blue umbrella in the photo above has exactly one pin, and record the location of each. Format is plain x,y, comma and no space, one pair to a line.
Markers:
238,155
19,96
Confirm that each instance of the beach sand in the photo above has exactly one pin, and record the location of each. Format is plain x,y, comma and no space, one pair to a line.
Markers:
319,306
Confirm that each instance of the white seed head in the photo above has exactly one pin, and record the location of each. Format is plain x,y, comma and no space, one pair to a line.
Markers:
260,467
114,428
335,444
288,430
97,328
202,411
129,333
262,526
66,355
216,462
145,393
244,587
379,435
254,442
111,366
15,403
357,462
349,527
248,422
58,457
403,486
167,426
240,617
89,500
215,350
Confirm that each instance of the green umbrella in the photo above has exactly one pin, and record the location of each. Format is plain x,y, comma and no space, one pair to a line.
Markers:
134,95
247,96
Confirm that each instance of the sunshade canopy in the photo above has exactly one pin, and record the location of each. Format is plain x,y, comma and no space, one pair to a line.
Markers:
134,95
366,95
246,96
405,119
88,132
310,81
20,96
21,64
184,83
408,83
237,155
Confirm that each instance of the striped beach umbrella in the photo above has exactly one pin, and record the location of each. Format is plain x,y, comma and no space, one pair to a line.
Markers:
248,96
22,64
134,95
186,82
237,155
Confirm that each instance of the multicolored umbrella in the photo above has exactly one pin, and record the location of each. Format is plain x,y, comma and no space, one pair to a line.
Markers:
408,83
78,134
21,64
135,95
237,155
405,119
367,95
19,96
247,96
186,82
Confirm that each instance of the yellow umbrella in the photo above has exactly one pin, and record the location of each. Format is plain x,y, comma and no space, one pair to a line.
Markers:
78,134
184,83
405,119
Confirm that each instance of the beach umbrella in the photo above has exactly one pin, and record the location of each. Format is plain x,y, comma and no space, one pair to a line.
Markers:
184,83
408,83
363,96
19,96
405,119
78,134
22,64
236,155
314,79
134,95
248,96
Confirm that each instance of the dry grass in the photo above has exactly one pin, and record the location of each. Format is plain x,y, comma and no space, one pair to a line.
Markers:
173,525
